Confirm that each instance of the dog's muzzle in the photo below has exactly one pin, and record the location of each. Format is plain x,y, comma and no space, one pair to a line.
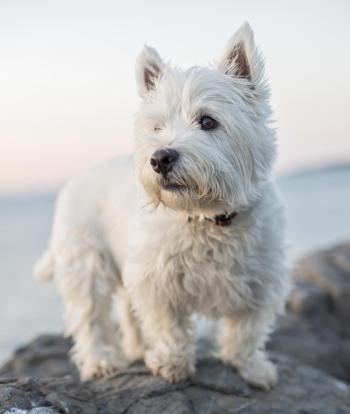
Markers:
163,160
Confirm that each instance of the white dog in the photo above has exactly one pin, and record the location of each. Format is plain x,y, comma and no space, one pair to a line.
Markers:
195,227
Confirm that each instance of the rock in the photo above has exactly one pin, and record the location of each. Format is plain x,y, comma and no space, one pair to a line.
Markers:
316,328
53,387
46,356
329,271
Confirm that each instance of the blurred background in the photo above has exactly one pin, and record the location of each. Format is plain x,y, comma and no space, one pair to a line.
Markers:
68,98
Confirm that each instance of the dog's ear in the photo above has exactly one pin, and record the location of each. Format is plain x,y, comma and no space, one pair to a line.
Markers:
149,68
241,57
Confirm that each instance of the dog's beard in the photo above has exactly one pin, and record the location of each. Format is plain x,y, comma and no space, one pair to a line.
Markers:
170,191
169,184
186,190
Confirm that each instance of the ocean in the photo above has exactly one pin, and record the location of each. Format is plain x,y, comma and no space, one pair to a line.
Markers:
318,212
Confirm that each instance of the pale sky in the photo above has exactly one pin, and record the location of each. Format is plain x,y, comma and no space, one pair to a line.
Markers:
67,89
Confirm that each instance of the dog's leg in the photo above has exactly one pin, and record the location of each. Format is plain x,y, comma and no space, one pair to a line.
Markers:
242,344
86,286
171,349
132,341
167,332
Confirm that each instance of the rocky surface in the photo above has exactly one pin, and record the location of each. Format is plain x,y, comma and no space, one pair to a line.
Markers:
53,387
316,328
39,379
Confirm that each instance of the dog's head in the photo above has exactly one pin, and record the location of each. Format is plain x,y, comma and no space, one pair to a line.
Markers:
203,141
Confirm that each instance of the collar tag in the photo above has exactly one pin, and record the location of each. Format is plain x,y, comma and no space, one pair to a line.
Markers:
223,220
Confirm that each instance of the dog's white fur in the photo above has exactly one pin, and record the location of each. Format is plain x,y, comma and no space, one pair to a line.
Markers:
120,232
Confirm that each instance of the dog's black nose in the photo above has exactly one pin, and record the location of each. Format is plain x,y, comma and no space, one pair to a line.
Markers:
163,160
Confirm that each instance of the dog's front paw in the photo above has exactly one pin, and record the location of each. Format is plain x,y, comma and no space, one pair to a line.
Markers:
259,372
173,368
97,369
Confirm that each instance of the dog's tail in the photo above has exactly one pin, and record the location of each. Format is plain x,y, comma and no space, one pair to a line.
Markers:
44,267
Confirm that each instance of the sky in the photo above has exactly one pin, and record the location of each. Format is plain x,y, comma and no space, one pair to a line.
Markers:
68,94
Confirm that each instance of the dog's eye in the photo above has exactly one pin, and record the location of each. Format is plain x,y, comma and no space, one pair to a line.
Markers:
157,128
207,122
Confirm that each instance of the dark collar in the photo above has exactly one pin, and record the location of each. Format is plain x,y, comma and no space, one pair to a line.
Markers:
221,220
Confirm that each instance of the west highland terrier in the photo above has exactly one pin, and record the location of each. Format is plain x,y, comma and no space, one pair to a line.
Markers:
191,224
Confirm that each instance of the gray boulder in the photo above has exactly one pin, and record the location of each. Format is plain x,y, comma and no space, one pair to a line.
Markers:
40,380
316,328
